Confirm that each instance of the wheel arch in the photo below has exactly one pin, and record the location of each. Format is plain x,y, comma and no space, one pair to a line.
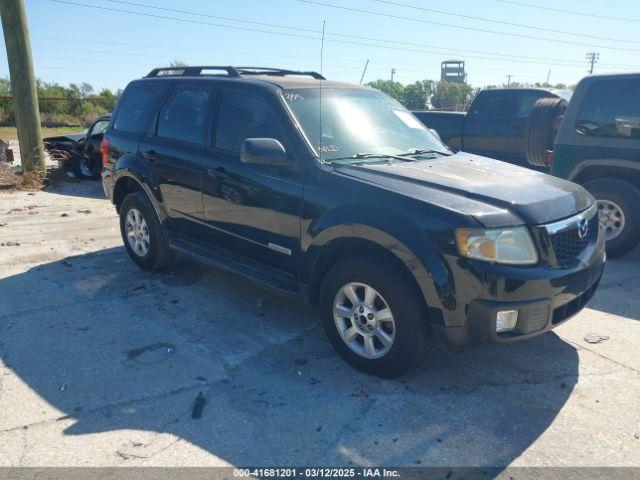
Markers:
130,175
334,244
127,183
625,170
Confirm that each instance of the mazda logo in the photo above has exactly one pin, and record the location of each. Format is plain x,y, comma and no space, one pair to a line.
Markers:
583,228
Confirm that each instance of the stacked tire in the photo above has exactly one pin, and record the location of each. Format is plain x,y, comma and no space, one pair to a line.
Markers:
542,129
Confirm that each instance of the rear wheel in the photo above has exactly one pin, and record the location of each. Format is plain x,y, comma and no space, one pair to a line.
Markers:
542,128
374,316
618,203
142,232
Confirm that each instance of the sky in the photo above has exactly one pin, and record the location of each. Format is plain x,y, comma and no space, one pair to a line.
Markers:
111,45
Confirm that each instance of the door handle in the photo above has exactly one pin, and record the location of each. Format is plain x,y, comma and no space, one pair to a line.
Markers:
150,155
220,173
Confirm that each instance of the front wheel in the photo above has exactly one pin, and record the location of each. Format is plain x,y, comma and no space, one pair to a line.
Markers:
374,316
619,214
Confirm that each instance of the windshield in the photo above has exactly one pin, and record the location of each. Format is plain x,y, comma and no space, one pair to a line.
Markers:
356,121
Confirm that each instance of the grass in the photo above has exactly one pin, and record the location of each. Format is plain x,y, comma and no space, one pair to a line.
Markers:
11,133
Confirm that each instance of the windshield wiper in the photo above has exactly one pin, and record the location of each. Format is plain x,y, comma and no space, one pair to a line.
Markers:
364,156
422,151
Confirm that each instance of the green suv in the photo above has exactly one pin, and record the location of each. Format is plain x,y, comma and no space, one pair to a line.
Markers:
598,146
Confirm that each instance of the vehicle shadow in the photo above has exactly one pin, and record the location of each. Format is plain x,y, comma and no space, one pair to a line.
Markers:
105,347
75,187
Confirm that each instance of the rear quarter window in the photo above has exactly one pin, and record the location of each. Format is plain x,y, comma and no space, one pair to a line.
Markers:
611,108
135,108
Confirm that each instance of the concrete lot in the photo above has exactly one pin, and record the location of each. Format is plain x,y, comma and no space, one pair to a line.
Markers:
101,363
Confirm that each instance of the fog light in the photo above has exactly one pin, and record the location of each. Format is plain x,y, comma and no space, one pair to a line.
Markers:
506,320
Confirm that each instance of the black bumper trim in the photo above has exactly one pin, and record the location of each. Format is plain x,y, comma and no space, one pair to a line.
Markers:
534,318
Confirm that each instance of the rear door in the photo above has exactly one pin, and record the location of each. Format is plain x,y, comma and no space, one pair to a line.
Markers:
488,125
253,210
131,121
174,152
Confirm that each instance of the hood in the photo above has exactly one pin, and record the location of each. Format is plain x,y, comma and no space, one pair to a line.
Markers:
535,198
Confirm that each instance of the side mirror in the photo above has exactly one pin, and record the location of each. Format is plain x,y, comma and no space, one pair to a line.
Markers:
263,151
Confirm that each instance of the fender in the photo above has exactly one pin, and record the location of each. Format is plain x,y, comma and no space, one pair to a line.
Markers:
604,162
132,167
396,234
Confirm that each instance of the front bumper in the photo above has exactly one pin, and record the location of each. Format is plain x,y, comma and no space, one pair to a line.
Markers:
544,296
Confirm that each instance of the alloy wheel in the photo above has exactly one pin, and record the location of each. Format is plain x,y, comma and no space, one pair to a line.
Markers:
137,232
364,320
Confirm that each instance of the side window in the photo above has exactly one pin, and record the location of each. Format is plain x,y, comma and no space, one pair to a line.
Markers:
135,108
183,115
99,128
526,101
611,108
244,116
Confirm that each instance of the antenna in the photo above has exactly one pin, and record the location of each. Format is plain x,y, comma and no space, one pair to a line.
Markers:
364,71
322,47
320,87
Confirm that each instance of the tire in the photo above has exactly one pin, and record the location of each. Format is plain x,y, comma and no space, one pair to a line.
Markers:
611,192
157,254
542,128
82,168
394,287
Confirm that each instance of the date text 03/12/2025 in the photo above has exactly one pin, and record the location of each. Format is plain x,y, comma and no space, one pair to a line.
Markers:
311,472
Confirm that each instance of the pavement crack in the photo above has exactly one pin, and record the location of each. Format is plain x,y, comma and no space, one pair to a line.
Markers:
582,347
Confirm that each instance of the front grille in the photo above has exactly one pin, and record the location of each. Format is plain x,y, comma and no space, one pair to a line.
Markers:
567,243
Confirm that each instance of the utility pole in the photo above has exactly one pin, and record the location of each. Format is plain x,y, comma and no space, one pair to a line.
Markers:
592,58
393,72
23,84
509,80
548,77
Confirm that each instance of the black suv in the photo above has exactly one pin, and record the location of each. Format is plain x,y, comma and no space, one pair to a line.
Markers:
339,195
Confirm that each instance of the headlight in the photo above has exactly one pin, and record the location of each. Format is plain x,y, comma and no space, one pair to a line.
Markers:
505,245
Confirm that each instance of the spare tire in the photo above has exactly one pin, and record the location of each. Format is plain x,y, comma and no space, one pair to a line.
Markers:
542,128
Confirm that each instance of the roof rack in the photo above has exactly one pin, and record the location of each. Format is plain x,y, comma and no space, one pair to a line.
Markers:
230,71
277,72
191,71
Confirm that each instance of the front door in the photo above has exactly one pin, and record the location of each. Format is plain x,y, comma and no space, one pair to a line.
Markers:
253,210
93,141
174,155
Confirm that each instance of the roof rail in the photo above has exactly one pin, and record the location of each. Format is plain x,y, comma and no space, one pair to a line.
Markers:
277,72
231,71
191,71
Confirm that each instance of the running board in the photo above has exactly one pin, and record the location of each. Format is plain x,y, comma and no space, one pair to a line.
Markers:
272,279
